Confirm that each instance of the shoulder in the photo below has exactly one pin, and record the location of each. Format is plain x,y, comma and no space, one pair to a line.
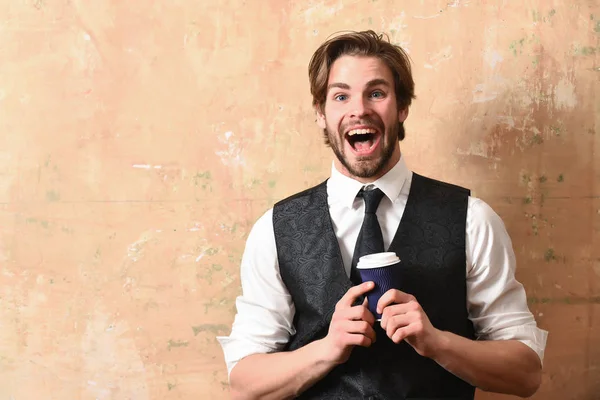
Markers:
437,184
262,229
481,213
485,228
320,188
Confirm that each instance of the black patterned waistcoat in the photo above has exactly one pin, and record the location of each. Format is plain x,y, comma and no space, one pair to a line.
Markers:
430,242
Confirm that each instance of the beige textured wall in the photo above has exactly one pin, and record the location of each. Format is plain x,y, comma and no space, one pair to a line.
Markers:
141,140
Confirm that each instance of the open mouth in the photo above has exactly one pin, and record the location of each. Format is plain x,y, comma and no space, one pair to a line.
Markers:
362,140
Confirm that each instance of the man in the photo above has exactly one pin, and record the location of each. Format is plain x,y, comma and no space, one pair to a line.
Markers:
459,320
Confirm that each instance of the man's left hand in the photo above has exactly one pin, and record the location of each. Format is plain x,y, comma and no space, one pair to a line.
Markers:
404,319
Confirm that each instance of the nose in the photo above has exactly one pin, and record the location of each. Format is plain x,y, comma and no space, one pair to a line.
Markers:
359,107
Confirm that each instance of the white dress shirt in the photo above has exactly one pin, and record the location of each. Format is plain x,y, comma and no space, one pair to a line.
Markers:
496,301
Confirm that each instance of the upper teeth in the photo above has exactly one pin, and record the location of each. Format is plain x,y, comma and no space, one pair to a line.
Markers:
360,131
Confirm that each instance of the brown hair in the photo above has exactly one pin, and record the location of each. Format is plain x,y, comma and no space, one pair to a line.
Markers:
368,44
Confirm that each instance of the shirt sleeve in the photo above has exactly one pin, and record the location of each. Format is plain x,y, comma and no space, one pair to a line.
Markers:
497,302
265,311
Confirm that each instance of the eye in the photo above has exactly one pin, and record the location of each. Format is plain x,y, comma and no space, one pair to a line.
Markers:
340,97
378,94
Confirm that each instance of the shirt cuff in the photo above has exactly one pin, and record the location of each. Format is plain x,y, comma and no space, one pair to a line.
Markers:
236,349
530,335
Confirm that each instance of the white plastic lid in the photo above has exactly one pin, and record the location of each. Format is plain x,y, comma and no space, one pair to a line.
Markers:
377,260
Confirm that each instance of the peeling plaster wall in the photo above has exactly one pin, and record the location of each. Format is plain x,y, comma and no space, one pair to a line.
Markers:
141,140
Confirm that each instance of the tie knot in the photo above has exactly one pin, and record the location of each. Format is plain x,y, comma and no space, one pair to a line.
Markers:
372,199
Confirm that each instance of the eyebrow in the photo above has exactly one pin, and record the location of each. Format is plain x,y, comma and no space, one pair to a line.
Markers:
338,85
371,83
377,82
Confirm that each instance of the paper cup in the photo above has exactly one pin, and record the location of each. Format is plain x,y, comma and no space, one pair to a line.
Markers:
384,270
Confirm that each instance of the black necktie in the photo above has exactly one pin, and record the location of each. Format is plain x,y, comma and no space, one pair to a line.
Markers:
370,239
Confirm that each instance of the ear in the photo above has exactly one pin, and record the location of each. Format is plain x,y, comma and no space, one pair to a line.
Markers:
320,118
403,114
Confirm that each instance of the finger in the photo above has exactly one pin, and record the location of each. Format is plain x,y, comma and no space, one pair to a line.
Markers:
356,313
398,309
367,316
358,328
393,313
404,332
393,296
395,322
344,328
353,293
355,339
412,307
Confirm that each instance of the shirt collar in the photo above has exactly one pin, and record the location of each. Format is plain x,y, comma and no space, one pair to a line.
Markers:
343,189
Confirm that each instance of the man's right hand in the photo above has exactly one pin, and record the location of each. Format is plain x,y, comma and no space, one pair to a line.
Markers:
350,325
286,374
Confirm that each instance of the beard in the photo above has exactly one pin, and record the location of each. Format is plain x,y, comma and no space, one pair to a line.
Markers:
365,167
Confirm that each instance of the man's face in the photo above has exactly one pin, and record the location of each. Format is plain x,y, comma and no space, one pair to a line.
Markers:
361,117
